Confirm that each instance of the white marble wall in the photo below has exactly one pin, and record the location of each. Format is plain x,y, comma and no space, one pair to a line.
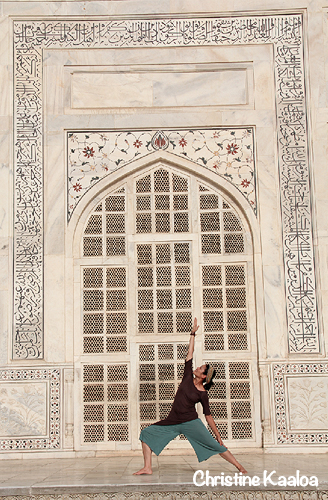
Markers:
77,95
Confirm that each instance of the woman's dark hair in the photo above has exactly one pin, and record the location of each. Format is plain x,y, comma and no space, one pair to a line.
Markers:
207,385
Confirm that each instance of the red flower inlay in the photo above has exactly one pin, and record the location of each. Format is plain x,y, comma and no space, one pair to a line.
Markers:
77,187
183,142
245,183
88,152
232,148
137,143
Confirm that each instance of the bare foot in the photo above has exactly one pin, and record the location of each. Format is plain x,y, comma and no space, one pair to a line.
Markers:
144,470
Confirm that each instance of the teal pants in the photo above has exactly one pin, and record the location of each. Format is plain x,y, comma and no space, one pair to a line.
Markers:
158,436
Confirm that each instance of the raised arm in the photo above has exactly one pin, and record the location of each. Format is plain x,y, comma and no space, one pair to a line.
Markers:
192,340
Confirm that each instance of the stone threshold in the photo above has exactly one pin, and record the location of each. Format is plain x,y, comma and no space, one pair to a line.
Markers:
175,495
158,491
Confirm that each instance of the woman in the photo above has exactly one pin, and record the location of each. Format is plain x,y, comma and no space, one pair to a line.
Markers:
183,418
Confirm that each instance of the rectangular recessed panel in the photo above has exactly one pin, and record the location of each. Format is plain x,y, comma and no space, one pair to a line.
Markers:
145,277
145,299
210,221
213,321
214,342
164,299
212,298
116,344
93,324
93,300
146,87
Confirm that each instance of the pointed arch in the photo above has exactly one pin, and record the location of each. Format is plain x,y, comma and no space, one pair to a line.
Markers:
174,241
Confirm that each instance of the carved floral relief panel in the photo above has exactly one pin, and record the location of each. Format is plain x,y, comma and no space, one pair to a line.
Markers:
308,402
30,409
300,392
23,409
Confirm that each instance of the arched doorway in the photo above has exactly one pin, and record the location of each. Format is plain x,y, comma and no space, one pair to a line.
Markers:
158,248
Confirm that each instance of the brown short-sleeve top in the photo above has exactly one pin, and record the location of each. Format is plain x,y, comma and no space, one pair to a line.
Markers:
183,408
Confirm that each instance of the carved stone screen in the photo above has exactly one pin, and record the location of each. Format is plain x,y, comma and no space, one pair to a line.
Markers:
162,248
105,403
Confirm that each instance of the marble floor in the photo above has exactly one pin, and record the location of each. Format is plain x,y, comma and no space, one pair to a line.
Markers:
170,473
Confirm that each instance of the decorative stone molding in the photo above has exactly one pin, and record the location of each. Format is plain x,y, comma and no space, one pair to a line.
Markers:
40,422
284,31
185,495
265,406
298,417
68,408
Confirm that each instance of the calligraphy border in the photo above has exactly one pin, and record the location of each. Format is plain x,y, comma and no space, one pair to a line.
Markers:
284,31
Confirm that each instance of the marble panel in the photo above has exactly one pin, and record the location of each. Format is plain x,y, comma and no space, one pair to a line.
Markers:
158,87
308,403
23,410
54,309
300,392
30,409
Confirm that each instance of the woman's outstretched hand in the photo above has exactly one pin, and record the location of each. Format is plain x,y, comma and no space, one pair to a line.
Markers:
195,326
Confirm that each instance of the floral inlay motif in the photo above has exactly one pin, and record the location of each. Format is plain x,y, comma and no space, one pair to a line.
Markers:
227,152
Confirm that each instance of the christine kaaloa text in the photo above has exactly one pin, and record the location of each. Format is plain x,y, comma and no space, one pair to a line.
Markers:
269,478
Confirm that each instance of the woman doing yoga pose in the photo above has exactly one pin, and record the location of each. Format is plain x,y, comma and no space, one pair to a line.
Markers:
183,418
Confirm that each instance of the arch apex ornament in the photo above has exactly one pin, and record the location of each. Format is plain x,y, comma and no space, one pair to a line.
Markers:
160,141
284,31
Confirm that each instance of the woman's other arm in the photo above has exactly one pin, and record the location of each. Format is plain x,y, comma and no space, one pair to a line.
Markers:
192,340
212,425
